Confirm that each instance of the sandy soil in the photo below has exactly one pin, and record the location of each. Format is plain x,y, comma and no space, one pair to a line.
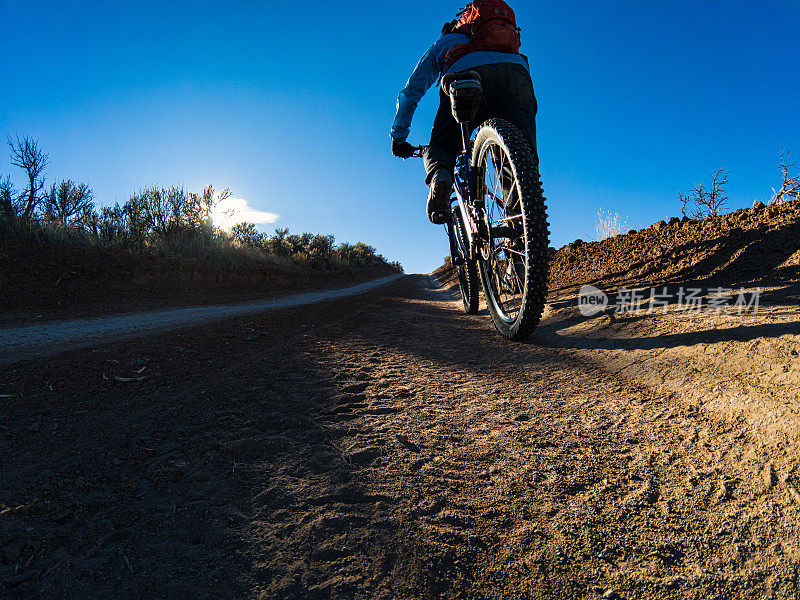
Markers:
737,366
385,446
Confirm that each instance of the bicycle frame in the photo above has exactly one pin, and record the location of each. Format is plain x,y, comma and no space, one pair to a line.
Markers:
465,190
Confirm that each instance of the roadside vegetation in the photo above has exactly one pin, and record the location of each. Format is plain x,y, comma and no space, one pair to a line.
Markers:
156,221
709,200
704,202
608,225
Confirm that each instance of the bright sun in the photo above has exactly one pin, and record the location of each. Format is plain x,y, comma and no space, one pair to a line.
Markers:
232,211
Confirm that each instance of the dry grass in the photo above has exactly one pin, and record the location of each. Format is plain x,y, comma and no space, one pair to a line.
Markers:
608,225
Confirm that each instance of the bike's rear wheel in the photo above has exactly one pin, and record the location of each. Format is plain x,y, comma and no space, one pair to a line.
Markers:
514,262
466,269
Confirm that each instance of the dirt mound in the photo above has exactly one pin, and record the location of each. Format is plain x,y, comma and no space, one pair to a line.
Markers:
739,367
59,281
445,275
759,245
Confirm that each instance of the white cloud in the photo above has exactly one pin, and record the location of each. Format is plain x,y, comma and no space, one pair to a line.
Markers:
231,211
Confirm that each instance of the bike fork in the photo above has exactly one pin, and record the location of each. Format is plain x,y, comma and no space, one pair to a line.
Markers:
455,253
467,201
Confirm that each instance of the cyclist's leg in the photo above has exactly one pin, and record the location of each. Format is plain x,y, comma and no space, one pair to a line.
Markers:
508,94
508,91
445,141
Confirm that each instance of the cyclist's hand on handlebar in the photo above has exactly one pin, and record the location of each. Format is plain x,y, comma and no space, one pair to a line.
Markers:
403,149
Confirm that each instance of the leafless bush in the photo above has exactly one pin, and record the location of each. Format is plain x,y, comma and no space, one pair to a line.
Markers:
170,216
26,154
608,225
164,209
8,196
67,204
701,202
790,187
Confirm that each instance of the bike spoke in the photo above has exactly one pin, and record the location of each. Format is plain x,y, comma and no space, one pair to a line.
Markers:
507,249
491,208
511,191
495,199
501,172
511,218
491,187
520,287
498,172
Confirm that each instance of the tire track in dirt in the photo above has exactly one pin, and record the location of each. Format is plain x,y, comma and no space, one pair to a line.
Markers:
383,447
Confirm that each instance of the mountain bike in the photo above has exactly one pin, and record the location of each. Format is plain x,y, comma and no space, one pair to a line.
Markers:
497,226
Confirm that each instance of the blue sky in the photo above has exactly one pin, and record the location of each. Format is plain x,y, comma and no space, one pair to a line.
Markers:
290,105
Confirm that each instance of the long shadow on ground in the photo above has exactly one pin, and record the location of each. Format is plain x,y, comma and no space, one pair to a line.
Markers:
214,477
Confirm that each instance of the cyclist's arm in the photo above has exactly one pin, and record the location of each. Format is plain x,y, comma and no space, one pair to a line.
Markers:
426,73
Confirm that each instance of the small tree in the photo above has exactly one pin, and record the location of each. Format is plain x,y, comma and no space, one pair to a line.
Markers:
278,244
158,207
135,225
701,202
198,211
110,226
174,212
248,236
67,203
26,154
8,195
790,187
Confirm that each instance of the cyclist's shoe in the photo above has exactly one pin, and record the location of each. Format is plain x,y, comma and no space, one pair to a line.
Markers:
440,188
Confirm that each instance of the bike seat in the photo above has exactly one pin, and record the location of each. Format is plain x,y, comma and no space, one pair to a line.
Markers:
463,80
465,91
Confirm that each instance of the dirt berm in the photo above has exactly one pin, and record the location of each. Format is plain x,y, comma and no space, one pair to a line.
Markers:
737,362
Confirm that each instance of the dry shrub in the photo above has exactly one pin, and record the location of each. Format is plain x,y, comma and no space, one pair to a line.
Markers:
608,225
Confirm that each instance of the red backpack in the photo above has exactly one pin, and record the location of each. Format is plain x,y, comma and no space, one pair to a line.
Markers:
490,24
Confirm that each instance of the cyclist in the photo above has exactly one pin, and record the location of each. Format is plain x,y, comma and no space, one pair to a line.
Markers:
483,38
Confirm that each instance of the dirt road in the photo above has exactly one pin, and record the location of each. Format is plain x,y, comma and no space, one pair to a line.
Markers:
383,446
38,341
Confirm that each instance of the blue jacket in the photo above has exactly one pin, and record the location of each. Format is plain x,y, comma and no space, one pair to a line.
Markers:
431,67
